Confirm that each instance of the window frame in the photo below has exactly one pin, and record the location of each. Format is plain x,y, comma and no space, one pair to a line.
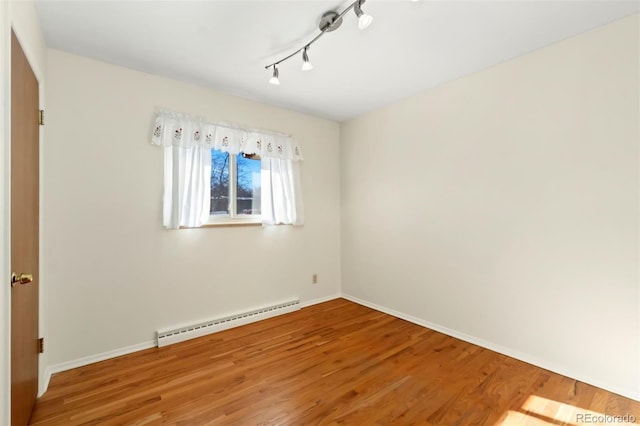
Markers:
233,218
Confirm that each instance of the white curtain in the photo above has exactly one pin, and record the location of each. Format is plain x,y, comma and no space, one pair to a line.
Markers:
187,186
188,141
281,192
175,129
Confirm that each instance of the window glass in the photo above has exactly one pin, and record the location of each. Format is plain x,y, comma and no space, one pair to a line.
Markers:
219,182
248,185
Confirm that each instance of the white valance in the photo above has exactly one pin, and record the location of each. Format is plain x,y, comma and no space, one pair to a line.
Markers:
182,130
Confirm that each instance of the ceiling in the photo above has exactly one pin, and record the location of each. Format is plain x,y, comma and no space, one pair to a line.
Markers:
225,45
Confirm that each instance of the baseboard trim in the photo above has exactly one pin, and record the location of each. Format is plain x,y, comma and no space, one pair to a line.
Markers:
562,370
320,300
43,384
91,359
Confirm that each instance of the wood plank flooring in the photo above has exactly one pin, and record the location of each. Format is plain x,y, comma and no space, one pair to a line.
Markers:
336,363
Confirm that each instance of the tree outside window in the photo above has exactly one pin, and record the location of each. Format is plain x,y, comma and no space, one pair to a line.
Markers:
235,185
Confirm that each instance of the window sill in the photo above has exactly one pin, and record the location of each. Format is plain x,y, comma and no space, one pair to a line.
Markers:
232,224
226,224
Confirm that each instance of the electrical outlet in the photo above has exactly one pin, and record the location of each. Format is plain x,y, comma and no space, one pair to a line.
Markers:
314,279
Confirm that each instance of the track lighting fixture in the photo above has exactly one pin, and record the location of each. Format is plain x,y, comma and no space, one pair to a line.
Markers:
330,21
306,65
274,79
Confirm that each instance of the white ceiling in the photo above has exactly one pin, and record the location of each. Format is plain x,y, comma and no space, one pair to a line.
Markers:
225,45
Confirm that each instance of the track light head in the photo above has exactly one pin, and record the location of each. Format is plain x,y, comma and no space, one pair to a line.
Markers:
274,79
306,65
364,20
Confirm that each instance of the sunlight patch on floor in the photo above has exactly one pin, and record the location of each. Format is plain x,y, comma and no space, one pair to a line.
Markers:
516,418
538,411
555,410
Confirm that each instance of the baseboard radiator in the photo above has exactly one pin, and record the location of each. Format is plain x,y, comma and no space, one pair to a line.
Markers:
202,328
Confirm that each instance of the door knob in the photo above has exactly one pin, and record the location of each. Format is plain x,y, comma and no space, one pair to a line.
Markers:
20,279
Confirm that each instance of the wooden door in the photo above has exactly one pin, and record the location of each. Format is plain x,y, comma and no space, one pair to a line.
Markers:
24,235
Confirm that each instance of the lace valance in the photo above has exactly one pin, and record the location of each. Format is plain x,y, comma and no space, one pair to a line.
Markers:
175,129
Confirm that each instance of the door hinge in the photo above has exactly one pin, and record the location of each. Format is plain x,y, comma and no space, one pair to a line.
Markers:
41,345
41,117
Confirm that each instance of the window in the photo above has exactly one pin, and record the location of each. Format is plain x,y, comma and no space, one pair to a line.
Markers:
222,173
235,187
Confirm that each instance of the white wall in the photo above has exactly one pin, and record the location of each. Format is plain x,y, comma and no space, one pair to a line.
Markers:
114,275
24,20
505,206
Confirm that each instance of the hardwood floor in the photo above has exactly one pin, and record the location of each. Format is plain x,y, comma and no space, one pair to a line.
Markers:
328,364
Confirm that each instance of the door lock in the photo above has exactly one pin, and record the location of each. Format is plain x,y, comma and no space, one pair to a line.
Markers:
20,279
